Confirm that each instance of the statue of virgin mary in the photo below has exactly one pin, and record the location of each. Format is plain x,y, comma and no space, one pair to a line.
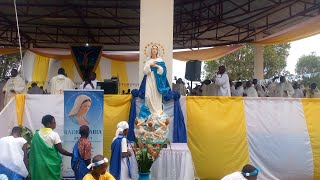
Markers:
156,83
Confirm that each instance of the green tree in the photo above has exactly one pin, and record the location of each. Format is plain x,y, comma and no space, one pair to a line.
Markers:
308,64
7,62
240,64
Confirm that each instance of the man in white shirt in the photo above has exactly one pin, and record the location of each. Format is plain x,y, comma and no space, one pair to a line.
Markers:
60,82
222,81
250,91
248,172
91,83
15,85
284,88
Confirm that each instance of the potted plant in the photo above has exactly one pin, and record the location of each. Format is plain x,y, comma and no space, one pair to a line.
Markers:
146,152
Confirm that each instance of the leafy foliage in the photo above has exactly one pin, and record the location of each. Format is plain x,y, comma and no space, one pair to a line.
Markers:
7,62
308,64
240,64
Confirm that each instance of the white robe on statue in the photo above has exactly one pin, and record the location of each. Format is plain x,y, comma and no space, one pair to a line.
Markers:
251,92
152,96
222,80
59,83
15,83
282,87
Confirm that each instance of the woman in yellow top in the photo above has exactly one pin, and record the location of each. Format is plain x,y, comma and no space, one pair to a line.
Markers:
99,167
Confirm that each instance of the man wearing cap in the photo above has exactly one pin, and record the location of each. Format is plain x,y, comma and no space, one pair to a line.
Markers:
99,167
119,162
248,172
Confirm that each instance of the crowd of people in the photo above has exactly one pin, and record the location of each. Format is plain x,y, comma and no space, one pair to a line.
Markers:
17,85
220,85
43,159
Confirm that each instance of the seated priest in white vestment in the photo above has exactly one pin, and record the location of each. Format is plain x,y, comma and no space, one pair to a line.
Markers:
238,89
232,88
222,80
272,87
258,88
60,82
205,88
91,83
313,92
284,88
248,172
298,93
250,91
15,85
180,87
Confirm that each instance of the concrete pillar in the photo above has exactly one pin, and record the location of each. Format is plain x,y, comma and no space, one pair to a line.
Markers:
258,61
156,26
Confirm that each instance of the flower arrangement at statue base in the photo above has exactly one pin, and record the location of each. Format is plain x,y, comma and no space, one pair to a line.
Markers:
146,152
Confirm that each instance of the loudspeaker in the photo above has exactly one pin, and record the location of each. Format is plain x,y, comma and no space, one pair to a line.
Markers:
193,70
109,86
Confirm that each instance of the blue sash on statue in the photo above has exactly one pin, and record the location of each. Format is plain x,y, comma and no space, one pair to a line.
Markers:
10,174
161,80
116,156
78,164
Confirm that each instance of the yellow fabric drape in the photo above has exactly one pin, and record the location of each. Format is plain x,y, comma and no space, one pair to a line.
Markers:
119,69
116,109
222,148
206,54
20,102
40,70
98,73
311,109
300,31
68,66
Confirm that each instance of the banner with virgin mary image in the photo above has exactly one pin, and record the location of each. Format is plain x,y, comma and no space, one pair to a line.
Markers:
82,108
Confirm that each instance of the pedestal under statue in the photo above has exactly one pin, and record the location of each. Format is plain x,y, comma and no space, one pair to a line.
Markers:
152,122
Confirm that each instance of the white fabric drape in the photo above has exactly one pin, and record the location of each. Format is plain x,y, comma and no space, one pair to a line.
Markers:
8,118
37,106
279,143
174,163
28,62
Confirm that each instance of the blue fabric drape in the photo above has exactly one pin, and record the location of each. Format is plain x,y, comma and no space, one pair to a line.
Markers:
132,115
179,127
78,164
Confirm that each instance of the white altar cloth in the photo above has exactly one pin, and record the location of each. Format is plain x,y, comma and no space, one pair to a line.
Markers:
174,163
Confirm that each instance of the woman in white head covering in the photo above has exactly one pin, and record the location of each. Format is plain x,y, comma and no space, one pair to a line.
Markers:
80,109
119,162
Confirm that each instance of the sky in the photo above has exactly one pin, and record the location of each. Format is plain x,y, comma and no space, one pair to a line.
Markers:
298,48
